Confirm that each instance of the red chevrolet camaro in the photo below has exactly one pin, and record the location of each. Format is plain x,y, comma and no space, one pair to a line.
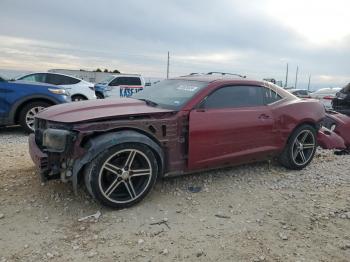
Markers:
181,125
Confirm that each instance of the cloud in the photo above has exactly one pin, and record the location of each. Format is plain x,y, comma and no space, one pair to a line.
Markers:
134,36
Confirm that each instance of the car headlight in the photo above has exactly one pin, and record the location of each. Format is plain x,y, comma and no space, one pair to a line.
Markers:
108,88
56,140
59,91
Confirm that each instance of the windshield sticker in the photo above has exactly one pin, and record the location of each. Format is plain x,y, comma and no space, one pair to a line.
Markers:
187,88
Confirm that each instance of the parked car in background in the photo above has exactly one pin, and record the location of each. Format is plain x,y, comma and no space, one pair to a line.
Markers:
302,93
341,103
325,95
79,89
193,123
20,101
120,85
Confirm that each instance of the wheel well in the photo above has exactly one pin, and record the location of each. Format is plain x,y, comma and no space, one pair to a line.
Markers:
75,95
21,106
161,163
299,125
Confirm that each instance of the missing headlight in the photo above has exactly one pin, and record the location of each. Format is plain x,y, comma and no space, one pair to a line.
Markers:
56,140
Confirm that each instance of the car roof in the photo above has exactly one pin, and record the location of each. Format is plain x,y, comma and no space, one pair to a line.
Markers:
128,75
53,74
296,90
224,78
328,89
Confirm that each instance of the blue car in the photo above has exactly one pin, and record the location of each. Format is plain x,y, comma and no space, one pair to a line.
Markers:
20,101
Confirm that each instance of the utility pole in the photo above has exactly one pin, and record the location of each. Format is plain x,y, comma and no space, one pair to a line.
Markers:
286,83
308,85
167,68
296,78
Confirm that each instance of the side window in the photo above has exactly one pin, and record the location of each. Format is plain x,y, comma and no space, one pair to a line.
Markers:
66,80
35,78
270,96
127,81
134,81
234,96
115,81
61,80
54,79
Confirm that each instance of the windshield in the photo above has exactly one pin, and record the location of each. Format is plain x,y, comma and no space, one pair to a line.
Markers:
107,80
171,94
2,79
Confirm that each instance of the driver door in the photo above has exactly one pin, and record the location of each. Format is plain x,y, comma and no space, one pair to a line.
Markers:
232,125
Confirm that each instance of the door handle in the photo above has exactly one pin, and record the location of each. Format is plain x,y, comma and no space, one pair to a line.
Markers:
264,116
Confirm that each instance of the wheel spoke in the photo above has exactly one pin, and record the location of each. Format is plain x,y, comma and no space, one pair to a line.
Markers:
305,135
112,168
140,172
112,187
130,159
301,153
130,188
308,146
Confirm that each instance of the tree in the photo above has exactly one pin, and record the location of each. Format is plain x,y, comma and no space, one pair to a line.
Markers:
98,70
106,70
116,71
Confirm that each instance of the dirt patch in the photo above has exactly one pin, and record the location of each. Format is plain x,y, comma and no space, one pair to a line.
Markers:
247,213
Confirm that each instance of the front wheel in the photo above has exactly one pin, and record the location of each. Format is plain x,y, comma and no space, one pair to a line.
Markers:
77,98
300,149
122,175
99,95
28,113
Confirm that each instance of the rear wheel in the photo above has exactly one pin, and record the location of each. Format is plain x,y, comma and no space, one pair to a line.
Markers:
28,113
78,98
300,149
122,175
99,95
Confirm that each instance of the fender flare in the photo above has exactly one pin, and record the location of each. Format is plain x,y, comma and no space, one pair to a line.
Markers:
28,99
100,143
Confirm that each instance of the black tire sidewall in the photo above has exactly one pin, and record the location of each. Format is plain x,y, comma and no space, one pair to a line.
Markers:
82,98
25,110
92,179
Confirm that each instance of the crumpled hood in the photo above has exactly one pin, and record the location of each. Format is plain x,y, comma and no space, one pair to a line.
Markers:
98,109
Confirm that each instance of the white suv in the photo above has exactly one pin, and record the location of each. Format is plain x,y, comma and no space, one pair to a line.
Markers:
78,89
120,86
325,95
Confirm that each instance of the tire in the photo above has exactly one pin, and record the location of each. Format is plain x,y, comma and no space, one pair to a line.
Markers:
114,182
300,148
28,112
77,98
99,95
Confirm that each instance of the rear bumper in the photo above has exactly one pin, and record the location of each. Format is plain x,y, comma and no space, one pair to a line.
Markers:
39,158
328,139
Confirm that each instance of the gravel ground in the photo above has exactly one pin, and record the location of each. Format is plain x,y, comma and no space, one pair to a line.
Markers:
247,213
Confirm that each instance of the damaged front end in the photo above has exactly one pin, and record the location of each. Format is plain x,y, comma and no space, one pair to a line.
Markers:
335,132
52,148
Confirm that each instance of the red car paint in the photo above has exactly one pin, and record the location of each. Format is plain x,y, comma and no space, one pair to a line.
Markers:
339,137
191,138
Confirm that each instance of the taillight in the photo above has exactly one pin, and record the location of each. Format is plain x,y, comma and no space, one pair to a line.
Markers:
328,97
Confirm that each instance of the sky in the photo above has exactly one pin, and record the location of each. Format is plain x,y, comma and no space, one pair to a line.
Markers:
256,38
